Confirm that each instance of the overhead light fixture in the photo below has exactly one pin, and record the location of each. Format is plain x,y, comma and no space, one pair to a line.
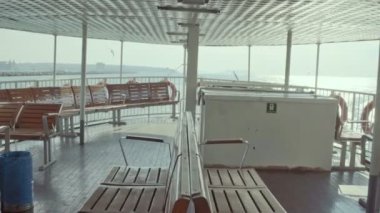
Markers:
193,1
181,34
181,41
187,24
189,9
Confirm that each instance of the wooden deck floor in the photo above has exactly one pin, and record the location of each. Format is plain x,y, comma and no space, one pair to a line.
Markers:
65,186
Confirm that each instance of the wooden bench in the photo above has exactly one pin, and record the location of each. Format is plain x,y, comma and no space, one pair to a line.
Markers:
37,122
8,117
134,95
134,189
226,189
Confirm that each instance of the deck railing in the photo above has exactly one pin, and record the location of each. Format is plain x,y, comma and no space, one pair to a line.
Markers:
356,101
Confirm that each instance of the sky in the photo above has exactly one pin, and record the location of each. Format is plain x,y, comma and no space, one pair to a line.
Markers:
343,59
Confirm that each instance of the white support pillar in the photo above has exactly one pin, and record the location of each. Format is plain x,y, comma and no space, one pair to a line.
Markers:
249,63
121,61
184,71
317,69
55,60
288,57
83,81
192,68
373,189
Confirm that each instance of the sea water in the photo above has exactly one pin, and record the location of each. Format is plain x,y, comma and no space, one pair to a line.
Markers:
357,84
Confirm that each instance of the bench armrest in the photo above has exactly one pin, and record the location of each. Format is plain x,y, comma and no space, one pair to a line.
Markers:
143,139
226,141
230,141
45,123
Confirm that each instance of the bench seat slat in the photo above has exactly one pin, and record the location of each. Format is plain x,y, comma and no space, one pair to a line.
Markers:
234,201
119,200
247,201
136,176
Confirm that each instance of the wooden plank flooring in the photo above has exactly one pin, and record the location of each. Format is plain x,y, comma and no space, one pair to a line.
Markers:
66,185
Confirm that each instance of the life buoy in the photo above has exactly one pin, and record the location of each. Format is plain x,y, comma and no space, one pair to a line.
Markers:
172,87
343,109
366,127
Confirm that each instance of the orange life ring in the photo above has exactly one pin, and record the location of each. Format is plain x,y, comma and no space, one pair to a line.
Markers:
366,127
343,109
172,87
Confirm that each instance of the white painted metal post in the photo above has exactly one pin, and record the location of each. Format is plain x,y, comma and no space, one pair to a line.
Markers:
249,62
373,189
192,68
55,60
83,81
288,57
317,69
121,62
184,72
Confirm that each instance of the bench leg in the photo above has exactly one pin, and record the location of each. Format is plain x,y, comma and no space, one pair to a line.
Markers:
68,128
343,154
116,118
47,155
352,155
174,111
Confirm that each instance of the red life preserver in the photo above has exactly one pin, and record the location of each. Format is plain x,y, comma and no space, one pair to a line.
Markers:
366,127
343,109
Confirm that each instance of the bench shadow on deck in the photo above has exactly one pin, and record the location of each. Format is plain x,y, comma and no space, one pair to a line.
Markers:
65,186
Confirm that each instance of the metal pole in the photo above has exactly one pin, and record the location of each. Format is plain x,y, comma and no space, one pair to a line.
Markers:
55,60
249,62
192,68
83,81
184,71
375,159
317,69
121,62
288,57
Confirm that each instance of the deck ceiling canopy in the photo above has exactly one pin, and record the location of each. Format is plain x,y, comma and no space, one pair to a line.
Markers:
239,22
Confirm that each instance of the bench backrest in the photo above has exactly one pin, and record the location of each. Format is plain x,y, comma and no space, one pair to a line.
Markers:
98,95
31,115
46,94
159,91
24,95
9,113
138,93
117,93
4,96
76,93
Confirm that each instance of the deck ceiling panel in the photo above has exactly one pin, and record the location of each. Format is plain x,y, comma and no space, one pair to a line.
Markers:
240,22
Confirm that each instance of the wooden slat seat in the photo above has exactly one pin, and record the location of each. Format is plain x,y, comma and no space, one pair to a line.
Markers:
233,178
127,199
244,200
137,176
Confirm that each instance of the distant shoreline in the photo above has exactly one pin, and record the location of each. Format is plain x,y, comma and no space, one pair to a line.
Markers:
58,73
